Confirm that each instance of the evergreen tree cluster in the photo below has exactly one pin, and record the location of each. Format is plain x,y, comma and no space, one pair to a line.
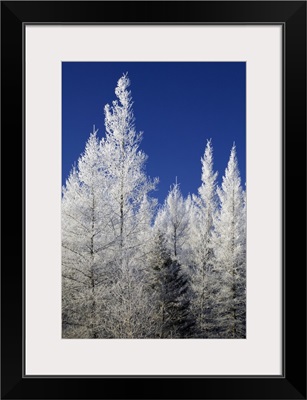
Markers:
134,269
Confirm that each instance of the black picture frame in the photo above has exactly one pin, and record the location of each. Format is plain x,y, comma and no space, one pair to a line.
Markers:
292,16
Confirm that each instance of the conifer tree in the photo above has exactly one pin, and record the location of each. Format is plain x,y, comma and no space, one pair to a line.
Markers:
170,292
230,253
84,238
125,164
128,188
173,220
202,246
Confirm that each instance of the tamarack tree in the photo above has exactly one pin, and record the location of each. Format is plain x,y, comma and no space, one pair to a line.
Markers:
205,206
230,253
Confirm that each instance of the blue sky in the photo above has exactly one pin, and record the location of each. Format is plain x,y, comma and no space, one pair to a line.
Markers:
177,106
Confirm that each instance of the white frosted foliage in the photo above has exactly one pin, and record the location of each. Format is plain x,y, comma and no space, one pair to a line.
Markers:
202,246
134,269
173,220
230,251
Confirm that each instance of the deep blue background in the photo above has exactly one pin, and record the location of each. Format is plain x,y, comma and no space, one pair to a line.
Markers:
178,106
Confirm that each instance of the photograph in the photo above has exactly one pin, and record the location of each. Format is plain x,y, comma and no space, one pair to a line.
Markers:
157,144
153,208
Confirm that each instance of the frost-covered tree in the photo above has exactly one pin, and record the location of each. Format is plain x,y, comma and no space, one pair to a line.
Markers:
125,164
202,246
84,239
130,207
230,253
173,219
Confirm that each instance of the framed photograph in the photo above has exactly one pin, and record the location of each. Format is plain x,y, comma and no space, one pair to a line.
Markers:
163,150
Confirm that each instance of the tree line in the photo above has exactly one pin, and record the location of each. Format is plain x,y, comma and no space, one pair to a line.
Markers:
134,269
